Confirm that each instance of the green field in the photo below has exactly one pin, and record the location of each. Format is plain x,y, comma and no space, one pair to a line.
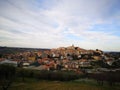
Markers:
57,85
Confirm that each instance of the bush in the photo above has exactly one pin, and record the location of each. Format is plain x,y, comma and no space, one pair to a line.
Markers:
47,75
110,77
7,75
60,76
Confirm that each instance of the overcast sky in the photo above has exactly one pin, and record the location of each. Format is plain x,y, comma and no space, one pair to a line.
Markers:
89,24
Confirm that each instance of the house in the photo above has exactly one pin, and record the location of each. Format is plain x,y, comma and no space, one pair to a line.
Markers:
25,64
84,63
109,62
97,58
10,62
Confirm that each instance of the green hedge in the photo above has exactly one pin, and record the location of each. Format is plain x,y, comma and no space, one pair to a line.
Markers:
48,75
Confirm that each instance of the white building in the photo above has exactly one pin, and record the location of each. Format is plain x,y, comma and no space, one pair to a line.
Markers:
14,63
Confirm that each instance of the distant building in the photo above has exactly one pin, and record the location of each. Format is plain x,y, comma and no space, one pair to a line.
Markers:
10,62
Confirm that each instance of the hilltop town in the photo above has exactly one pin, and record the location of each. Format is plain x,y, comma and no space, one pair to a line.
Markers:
62,58
33,66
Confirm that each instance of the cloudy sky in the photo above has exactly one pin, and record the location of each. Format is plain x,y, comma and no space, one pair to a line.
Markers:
89,24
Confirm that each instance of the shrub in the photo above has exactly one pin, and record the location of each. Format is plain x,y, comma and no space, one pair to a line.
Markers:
7,75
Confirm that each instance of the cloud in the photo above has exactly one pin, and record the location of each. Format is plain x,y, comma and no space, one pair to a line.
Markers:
50,24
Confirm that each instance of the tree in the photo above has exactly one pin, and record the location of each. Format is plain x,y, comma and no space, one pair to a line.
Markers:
7,75
21,73
1,55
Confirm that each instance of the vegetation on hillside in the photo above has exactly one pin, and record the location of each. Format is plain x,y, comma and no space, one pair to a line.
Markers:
22,79
7,76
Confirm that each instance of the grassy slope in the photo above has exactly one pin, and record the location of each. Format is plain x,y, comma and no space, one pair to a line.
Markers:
54,85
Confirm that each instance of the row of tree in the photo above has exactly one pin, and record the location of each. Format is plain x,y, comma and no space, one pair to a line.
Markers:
9,73
110,77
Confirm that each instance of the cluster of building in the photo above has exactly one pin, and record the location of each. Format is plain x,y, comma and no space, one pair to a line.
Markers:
62,58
